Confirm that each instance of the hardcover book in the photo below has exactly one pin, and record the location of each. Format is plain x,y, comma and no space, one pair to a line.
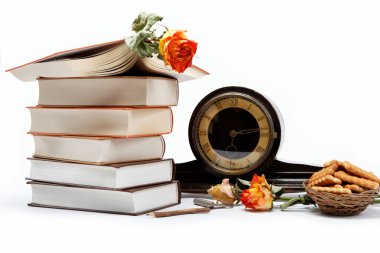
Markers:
97,150
113,176
108,91
132,202
115,122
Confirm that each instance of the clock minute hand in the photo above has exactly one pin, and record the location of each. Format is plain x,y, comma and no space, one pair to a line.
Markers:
248,131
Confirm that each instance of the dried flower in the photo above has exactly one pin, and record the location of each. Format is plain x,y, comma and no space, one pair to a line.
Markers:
177,50
172,46
258,196
223,192
259,180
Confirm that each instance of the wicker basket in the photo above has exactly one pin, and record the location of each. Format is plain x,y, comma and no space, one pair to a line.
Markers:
341,204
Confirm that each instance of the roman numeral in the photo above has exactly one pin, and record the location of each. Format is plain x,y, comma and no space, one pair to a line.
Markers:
232,164
249,107
249,163
206,147
260,149
217,160
260,118
264,135
202,132
234,102
207,117
219,105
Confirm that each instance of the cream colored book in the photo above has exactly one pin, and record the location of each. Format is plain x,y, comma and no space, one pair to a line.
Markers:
114,176
99,151
133,201
108,91
106,59
89,121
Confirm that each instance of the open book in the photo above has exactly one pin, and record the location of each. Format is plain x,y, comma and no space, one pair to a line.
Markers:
111,58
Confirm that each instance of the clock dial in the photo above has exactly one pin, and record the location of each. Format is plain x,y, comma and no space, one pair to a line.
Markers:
232,132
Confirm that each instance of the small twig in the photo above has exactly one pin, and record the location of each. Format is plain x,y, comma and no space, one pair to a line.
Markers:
150,40
166,28
180,212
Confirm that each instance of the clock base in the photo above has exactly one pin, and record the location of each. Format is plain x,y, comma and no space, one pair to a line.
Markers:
194,178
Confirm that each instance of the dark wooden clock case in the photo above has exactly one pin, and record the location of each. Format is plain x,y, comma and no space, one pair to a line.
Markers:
196,177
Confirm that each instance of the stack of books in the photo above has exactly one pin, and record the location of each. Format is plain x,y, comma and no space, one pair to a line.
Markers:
98,138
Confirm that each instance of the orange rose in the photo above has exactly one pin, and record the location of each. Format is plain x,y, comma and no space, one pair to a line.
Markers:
176,50
260,180
259,196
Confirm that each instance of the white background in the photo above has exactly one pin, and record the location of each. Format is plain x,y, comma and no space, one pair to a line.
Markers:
318,60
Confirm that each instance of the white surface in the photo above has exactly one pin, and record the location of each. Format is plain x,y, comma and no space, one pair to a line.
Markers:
318,60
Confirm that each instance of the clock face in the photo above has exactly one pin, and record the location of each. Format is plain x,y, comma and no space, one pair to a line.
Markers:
232,132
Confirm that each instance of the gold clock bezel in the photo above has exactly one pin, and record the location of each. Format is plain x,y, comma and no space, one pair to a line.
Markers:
224,165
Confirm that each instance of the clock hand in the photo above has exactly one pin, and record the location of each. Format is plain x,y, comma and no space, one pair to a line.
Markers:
248,131
232,149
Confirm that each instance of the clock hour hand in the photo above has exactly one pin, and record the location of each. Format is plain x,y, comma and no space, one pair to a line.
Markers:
231,149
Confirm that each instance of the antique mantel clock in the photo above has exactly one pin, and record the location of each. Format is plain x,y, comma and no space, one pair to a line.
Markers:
235,132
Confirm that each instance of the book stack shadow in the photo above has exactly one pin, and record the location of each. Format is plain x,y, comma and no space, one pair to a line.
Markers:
99,144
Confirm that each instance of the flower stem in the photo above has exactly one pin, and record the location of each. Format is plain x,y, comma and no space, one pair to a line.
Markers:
284,198
376,201
151,40
291,202
166,28
301,199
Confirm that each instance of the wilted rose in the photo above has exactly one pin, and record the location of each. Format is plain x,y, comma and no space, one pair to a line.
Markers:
259,196
260,180
223,192
177,50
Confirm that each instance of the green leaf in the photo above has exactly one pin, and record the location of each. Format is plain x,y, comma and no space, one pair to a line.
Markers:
244,182
277,190
137,43
144,42
237,192
240,186
145,21
134,41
